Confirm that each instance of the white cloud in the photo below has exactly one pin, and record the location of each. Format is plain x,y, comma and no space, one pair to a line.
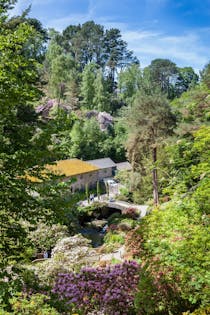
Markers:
184,50
61,23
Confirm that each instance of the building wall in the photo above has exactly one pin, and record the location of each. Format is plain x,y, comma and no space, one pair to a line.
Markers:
90,178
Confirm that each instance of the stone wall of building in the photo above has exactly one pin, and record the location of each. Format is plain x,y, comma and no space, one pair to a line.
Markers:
90,179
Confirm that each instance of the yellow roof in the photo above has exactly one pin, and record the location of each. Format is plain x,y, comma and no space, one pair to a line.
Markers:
67,168
71,167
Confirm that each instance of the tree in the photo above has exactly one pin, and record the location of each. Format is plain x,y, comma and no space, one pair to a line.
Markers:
87,85
130,80
116,54
89,43
101,99
161,73
186,79
77,139
150,121
21,143
60,69
60,75
84,43
92,37
6,5
205,75
172,81
18,89
37,48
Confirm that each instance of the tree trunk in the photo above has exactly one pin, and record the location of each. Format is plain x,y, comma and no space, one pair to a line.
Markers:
154,178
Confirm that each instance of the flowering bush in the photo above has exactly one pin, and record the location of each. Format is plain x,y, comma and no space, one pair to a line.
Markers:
45,236
131,213
70,253
109,289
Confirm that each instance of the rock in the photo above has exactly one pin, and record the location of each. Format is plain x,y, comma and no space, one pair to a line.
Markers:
104,119
123,226
98,224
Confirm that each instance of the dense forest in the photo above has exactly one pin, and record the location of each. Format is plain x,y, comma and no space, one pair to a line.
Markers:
81,93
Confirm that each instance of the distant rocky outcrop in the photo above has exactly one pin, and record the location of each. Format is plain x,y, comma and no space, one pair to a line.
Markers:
49,107
104,119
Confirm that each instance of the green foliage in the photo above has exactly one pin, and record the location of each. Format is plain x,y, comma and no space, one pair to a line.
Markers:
199,311
174,238
186,79
6,5
101,98
175,244
113,240
87,85
14,279
10,282
18,75
172,81
23,151
36,304
192,109
113,217
172,241
130,81
205,75
150,121
156,295
190,166
86,134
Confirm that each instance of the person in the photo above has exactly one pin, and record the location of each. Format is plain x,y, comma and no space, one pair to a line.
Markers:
104,229
45,254
49,251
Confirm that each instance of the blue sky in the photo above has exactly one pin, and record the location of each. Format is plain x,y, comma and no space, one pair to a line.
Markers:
178,30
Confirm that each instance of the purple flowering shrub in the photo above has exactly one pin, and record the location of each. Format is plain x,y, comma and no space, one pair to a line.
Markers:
109,289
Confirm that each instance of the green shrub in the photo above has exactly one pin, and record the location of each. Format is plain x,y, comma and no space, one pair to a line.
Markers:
114,218
36,304
199,311
175,242
113,238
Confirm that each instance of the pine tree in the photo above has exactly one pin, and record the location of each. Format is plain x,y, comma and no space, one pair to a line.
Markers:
150,121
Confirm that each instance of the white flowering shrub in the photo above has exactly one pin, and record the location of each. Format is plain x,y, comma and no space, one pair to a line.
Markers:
45,236
69,254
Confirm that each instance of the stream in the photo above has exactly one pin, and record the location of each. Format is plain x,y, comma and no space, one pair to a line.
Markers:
94,235
94,227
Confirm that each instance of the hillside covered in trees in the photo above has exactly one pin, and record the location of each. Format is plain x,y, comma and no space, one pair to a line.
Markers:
81,93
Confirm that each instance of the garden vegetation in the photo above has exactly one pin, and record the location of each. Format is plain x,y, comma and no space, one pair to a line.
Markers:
81,93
